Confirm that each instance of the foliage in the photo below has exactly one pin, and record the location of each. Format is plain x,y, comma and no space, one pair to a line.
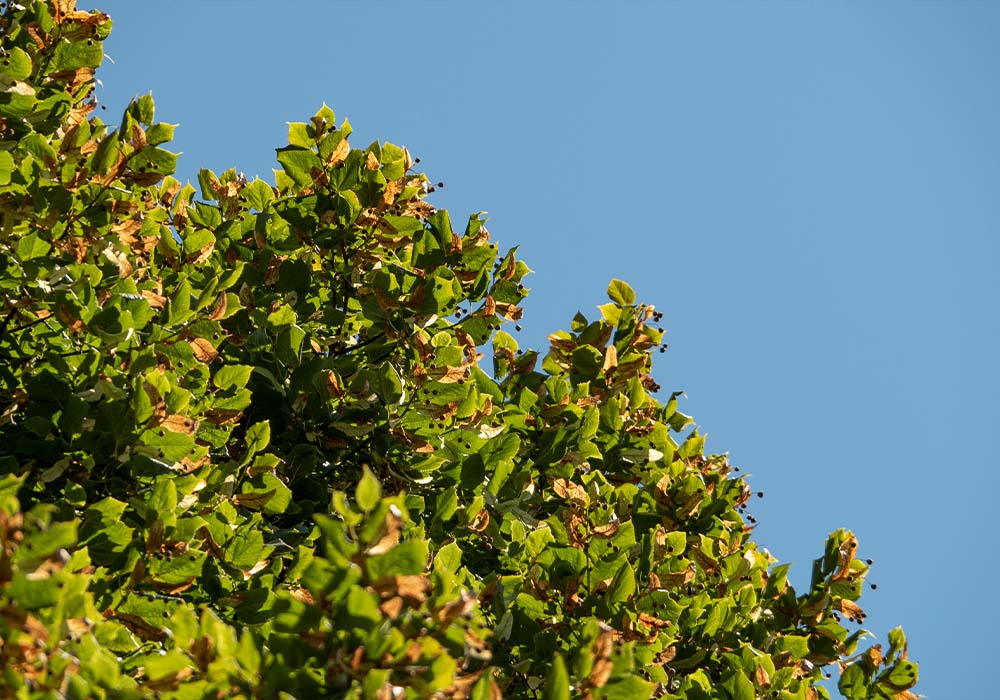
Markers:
248,447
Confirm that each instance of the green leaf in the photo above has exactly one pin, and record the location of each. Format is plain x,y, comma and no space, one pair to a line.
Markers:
175,569
70,55
853,683
232,377
627,688
298,135
298,164
258,437
742,687
281,496
246,549
16,64
160,133
406,558
284,315
179,309
32,246
903,674
6,167
163,502
557,680
259,194
369,491
622,586
620,293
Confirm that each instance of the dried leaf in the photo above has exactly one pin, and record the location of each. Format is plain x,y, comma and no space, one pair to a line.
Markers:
570,491
254,501
480,522
609,530
219,309
333,384
448,612
120,260
760,676
509,311
850,608
339,154
392,607
177,423
137,625
203,350
157,301
610,359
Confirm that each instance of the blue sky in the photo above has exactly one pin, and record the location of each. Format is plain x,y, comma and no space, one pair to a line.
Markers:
807,191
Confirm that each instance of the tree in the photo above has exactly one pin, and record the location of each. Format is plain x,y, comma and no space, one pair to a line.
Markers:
248,446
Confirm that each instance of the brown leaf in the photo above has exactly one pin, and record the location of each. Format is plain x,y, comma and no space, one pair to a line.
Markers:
137,625
203,350
653,621
480,522
610,359
177,423
219,309
138,137
254,501
189,465
411,588
73,78
847,552
509,311
874,654
223,416
601,673
77,627
666,656
570,491
339,154
157,301
171,681
333,384
678,578
200,256
393,525
609,530
763,680
202,651
302,595
489,306
392,190
448,375
371,161
419,208
850,608
448,612
392,607
120,261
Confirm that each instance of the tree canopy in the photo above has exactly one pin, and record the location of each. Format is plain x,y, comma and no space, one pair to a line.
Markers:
271,440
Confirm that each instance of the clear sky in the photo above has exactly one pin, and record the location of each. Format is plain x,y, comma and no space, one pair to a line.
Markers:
809,192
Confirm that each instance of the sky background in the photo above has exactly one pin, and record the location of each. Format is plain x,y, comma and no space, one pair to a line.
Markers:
809,192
